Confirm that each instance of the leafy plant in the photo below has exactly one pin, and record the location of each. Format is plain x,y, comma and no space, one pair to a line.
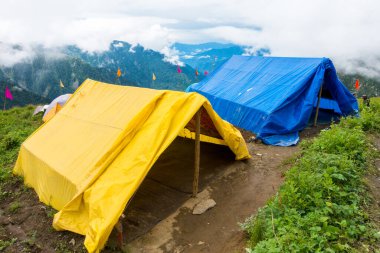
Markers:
319,208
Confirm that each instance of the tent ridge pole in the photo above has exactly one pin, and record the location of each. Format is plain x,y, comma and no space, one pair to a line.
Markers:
317,110
197,152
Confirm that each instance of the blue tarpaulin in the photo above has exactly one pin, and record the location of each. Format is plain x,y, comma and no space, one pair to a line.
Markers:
274,97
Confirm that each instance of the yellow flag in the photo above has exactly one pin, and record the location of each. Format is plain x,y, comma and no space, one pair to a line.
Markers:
118,72
154,77
61,84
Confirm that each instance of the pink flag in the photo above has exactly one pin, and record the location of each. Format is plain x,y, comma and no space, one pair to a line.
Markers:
8,93
179,70
206,73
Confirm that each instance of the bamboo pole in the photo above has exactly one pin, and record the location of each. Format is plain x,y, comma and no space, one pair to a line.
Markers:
317,110
197,152
5,99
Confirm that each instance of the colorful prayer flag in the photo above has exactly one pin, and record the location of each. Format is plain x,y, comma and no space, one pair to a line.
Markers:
61,84
8,93
118,72
154,77
357,84
179,70
206,73
196,73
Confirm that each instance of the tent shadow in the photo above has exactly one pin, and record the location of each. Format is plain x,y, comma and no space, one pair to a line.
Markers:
169,184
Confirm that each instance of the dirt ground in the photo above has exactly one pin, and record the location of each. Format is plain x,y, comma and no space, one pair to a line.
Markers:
238,188
159,218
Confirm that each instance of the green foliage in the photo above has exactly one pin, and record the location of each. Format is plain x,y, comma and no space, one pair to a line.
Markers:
14,206
6,244
369,117
319,208
15,126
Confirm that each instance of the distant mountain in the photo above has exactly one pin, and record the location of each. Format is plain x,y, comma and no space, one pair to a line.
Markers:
208,56
42,73
138,64
20,95
368,86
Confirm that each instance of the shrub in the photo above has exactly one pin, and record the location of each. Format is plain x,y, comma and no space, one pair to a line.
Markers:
319,206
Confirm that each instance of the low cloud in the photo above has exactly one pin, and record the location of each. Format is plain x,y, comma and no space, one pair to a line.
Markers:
343,30
11,54
171,56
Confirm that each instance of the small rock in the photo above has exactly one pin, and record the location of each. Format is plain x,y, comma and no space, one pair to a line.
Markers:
251,139
203,206
72,242
200,243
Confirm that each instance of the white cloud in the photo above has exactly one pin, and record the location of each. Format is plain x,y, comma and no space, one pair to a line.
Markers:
171,55
10,55
344,30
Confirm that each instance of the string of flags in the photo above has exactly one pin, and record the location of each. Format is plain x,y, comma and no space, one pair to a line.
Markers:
8,95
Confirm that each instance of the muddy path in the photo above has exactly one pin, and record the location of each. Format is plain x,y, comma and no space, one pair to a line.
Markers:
238,188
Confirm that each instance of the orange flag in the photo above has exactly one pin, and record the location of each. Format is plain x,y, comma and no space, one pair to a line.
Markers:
357,84
196,72
118,72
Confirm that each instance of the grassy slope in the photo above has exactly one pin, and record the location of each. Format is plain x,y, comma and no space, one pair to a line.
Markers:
25,223
323,204
15,126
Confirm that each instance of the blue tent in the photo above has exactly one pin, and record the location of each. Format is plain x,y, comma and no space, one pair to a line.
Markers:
274,97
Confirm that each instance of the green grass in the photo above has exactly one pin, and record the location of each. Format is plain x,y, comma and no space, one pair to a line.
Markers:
15,126
321,205
14,206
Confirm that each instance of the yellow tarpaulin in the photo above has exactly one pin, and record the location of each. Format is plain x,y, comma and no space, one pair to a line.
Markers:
89,159
57,107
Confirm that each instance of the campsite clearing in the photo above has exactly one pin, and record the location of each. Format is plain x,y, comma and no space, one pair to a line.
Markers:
239,189
27,226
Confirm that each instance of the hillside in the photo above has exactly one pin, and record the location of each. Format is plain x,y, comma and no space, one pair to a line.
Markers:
42,73
21,96
138,64
369,86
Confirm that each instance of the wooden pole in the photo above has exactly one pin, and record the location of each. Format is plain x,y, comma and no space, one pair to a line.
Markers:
197,152
5,99
317,110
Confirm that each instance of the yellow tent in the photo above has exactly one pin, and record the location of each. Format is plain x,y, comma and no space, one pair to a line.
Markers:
57,107
89,159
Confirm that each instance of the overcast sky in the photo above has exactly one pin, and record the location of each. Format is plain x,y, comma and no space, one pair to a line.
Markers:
344,30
